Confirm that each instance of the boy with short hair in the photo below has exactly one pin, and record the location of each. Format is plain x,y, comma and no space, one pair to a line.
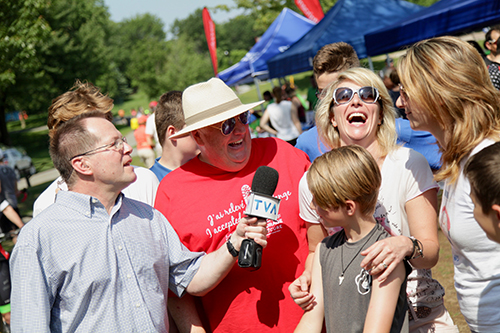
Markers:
345,183
169,119
482,171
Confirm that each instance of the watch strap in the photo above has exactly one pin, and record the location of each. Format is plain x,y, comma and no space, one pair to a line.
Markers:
231,248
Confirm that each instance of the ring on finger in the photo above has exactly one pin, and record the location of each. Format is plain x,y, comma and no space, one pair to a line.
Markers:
384,264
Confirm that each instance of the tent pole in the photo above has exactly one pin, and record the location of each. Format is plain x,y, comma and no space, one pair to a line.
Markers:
370,63
256,82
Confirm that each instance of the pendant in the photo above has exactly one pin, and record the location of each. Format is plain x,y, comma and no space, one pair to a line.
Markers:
341,279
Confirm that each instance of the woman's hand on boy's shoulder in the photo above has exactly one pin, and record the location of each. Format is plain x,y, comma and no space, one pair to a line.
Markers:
382,258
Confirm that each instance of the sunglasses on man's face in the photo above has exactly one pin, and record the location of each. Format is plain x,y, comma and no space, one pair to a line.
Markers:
344,95
228,126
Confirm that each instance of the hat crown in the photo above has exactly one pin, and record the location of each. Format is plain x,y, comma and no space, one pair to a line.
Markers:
209,103
207,99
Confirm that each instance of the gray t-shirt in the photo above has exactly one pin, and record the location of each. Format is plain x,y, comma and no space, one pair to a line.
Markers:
346,304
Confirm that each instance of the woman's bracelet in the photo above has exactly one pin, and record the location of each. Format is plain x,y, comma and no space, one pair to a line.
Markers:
418,249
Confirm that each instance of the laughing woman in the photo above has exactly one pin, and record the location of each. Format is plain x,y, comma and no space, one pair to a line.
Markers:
447,91
358,110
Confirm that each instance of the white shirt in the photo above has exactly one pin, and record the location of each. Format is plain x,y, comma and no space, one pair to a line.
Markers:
476,258
281,119
151,130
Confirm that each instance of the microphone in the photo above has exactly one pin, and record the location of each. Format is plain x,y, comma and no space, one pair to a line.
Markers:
260,204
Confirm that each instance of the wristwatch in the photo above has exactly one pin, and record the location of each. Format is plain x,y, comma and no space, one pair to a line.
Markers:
231,248
418,249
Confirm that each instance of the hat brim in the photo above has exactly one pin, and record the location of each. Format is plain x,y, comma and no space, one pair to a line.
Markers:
215,119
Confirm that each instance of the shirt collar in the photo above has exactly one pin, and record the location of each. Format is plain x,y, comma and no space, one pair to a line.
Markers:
85,204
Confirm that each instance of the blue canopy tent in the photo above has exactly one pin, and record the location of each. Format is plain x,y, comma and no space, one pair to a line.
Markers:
286,29
446,17
348,21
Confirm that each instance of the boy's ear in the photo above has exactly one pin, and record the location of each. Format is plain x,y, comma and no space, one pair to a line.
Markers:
496,209
351,207
170,131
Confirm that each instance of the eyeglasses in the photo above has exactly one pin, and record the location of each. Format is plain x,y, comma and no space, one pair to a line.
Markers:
320,93
118,145
403,94
344,95
228,126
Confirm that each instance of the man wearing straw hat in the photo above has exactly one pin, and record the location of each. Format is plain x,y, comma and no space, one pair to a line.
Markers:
206,196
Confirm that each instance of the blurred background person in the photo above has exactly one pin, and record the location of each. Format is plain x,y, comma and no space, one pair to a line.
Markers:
391,82
284,117
144,149
152,135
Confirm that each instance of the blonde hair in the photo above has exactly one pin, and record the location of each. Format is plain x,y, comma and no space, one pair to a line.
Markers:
386,132
447,78
345,173
83,97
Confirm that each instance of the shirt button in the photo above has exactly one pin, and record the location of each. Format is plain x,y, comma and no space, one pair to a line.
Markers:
120,247
137,305
129,276
94,200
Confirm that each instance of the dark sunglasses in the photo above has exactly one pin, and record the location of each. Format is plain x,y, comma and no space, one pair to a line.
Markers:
344,95
228,126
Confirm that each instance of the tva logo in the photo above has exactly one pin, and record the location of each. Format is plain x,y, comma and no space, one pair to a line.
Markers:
262,206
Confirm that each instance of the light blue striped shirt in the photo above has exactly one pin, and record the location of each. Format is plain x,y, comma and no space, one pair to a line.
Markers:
75,268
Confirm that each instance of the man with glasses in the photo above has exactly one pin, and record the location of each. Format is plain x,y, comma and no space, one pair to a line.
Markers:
492,60
85,97
97,261
203,199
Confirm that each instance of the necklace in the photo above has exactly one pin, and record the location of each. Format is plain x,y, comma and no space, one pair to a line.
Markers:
341,277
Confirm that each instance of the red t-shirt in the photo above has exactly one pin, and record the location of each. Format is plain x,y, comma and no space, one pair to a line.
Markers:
204,203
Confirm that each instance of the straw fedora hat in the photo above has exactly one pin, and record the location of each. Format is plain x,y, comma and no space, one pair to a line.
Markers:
209,103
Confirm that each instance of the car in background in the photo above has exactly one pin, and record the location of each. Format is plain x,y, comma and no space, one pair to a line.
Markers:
19,161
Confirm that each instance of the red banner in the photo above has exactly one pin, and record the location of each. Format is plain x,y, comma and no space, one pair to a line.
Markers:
311,9
209,26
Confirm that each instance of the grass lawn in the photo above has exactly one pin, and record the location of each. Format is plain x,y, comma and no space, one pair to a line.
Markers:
443,272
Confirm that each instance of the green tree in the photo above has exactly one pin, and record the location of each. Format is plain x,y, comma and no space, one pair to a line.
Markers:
184,65
147,63
238,33
265,11
23,32
77,47
191,29
137,47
